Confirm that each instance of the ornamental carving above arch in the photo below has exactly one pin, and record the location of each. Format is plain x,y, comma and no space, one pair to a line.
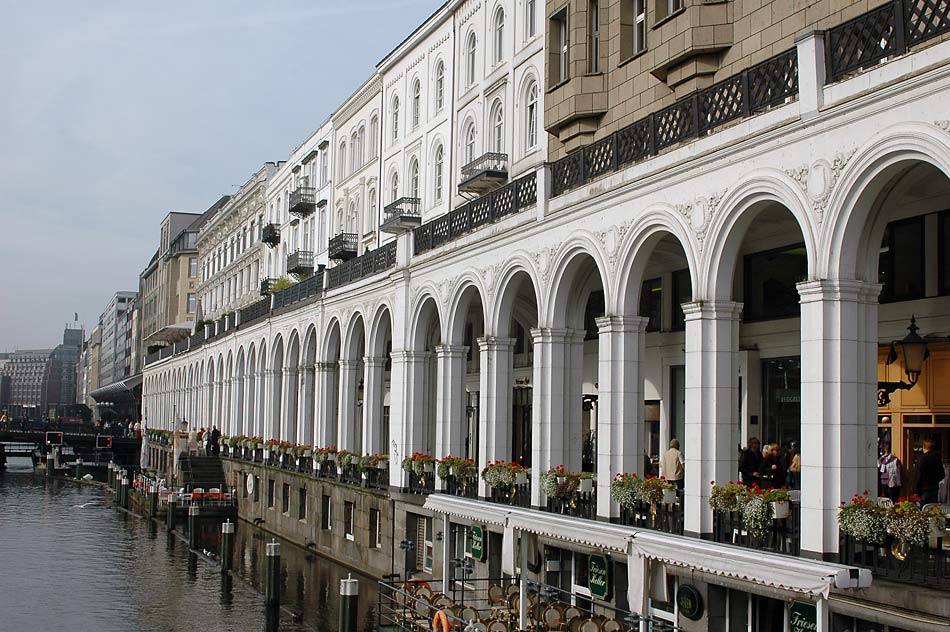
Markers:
699,214
818,179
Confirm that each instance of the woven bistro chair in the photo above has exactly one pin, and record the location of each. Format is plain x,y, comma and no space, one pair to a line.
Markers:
497,625
611,625
552,618
496,594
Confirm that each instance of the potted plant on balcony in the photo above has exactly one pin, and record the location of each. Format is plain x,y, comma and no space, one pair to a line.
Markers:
419,463
863,519
655,491
781,502
757,512
558,482
456,466
371,462
325,455
345,458
907,523
585,483
727,498
504,474
625,490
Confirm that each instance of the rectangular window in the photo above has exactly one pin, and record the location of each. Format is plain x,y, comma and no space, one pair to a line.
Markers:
666,8
943,253
349,511
271,488
530,16
593,35
191,303
682,293
192,266
639,26
326,513
558,49
651,303
770,278
375,529
901,262
781,400
257,489
285,498
678,405
302,503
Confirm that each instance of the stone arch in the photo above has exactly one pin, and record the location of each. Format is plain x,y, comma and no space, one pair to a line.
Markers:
506,285
468,287
569,273
421,315
291,389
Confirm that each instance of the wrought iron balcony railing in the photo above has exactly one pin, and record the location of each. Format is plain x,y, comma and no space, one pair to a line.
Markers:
361,267
267,286
270,234
303,200
401,215
486,172
300,262
343,246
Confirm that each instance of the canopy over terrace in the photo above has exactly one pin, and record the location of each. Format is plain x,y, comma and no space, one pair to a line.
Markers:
773,575
170,334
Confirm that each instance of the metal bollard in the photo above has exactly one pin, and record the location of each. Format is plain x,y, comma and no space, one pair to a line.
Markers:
170,512
125,493
227,538
193,526
272,575
349,602
153,501
50,463
79,468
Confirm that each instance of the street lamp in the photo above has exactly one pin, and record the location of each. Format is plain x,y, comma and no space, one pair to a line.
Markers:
914,349
407,546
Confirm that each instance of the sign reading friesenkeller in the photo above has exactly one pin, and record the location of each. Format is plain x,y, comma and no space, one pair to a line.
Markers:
598,577
802,617
478,543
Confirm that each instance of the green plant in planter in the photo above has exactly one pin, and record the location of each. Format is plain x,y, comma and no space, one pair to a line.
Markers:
502,474
459,466
371,462
863,519
281,284
559,482
907,522
652,488
417,463
727,498
345,458
625,490
322,455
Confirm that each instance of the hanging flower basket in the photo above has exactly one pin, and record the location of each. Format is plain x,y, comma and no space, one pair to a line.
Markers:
503,474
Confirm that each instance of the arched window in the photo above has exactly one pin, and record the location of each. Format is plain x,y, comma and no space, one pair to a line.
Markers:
531,115
470,143
499,33
361,139
439,86
438,162
370,210
530,18
394,187
351,219
498,128
355,152
395,119
373,136
416,105
342,160
414,178
339,219
470,49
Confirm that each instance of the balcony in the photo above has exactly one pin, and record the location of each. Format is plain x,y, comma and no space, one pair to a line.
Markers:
485,173
300,262
267,286
303,201
343,247
371,263
270,234
402,215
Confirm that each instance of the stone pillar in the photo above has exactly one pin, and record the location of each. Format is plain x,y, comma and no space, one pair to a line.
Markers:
619,403
450,401
811,73
348,430
839,404
373,376
326,404
288,408
271,384
712,405
407,423
550,403
217,417
305,406
494,441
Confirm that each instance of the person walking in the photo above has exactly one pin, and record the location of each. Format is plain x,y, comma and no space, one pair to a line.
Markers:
928,474
750,461
889,474
214,438
672,465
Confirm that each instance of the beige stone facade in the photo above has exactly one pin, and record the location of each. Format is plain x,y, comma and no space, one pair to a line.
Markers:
700,43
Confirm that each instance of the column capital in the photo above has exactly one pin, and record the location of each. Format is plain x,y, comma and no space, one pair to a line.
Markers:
838,290
621,324
410,356
712,310
551,334
308,368
349,364
374,362
450,351
325,367
495,343
290,371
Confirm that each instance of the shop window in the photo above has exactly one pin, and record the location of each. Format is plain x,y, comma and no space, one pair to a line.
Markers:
943,253
375,529
285,499
901,263
651,303
682,293
271,489
678,405
257,489
595,309
302,503
781,400
326,511
349,515
770,279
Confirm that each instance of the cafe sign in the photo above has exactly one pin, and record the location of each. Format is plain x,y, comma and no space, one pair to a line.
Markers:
598,578
478,543
802,617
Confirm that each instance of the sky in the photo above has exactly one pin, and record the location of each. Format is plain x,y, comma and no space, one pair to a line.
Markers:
114,113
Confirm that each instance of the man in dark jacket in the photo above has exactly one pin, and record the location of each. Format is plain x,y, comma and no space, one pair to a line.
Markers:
215,437
929,473
750,462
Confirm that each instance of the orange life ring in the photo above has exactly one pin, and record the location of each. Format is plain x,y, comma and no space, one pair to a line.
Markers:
440,622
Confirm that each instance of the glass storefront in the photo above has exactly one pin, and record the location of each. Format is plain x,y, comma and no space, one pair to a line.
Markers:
781,400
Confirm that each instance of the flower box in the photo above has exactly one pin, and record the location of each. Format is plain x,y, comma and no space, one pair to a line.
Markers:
781,509
586,485
521,478
669,496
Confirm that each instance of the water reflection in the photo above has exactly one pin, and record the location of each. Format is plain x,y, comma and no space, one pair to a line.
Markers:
69,559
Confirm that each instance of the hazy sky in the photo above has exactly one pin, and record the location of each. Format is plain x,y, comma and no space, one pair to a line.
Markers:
114,113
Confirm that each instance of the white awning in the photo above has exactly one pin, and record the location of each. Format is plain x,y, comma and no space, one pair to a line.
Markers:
783,572
171,334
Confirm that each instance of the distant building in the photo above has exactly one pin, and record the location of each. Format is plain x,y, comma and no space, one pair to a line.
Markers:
26,369
59,379
88,368
113,329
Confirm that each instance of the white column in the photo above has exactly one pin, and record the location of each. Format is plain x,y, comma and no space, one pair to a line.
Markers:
407,422
550,403
288,406
271,425
839,403
450,400
348,432
619,403
494,403
325,409
373,375
712,408
305,406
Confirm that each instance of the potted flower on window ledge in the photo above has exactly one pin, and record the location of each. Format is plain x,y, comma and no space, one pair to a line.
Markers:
781,502
655,491
625,490
863,519
456,466
419,462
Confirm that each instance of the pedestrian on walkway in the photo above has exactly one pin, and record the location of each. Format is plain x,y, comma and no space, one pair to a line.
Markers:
750,461
673,469
929,473
213,441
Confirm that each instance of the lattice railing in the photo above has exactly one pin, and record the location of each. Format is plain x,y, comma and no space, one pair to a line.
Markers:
487,209
764,85
925,19
363,266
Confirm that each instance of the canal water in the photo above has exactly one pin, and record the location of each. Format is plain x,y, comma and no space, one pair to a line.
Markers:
70,561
